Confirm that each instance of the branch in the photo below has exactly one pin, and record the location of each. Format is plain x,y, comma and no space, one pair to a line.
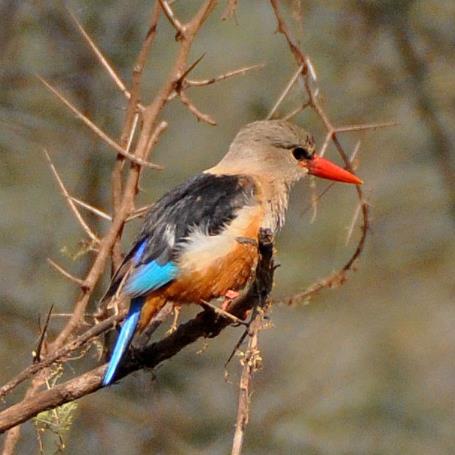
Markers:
101,58
221,77
251,362
194,110
207,324
59,354
91,209
179,27
285,92
363,127
283,28
70,201
339,277
101,134
66,274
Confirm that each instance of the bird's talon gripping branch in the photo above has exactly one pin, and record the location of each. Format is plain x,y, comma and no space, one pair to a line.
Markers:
228,298
231,295
199,241
175,322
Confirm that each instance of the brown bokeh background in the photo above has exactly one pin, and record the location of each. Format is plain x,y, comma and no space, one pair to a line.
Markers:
364,369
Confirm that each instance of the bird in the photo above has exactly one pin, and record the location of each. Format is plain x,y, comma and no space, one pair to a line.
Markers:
200,240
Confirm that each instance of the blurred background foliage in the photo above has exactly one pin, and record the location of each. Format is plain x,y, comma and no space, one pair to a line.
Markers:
365,369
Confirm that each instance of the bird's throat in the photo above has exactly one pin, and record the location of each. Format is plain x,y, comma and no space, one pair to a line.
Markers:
276,198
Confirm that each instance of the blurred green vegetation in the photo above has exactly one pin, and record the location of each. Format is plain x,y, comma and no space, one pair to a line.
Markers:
365,369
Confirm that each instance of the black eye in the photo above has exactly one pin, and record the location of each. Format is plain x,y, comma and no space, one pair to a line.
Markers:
300,154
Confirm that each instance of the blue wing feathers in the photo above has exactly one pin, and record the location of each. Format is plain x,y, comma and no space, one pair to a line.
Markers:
124,339
149,277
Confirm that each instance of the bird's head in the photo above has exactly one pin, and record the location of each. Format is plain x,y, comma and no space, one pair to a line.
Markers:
280,149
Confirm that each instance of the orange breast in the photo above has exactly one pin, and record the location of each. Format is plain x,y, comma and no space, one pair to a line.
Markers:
231,272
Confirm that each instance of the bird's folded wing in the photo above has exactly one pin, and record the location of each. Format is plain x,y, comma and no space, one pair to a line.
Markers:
206,204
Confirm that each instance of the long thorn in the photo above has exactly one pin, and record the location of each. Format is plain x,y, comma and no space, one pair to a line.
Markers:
92,209
353,223
108,67
101,134
285,92
69,200
39,346
366,126
65,273
222,77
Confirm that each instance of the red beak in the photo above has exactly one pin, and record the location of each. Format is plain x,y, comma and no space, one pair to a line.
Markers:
320,167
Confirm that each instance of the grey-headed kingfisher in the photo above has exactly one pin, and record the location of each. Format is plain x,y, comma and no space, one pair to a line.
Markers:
191,246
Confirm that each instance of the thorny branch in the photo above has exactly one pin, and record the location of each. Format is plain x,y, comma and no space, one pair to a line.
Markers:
124,187
251,359
206,324
141,129
307,72
251,362
128,129
101,134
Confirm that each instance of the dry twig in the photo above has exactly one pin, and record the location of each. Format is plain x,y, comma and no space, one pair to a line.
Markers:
221,77
91,209
179,27
66,274
194,110
307,72
70,201
101,134
285,92
100,56
251,362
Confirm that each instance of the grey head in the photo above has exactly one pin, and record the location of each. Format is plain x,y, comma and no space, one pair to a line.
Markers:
269,149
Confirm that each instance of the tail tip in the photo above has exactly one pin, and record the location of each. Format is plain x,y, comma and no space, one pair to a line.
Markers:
108,377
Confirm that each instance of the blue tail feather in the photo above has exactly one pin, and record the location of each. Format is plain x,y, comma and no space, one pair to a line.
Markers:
123,341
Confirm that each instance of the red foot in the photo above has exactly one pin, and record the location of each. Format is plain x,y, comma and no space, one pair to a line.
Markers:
228,298
231,295
245,314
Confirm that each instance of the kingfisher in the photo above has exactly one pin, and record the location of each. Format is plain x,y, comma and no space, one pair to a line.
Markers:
200,240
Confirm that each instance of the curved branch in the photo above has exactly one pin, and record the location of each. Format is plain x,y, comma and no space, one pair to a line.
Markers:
206,324
339,277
